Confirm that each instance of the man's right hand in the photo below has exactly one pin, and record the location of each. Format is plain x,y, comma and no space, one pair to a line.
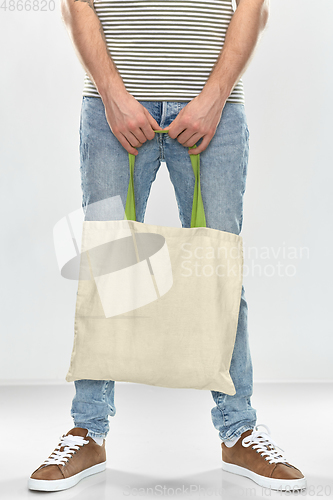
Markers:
129,121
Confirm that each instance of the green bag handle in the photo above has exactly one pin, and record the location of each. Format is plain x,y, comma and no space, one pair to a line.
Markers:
198,218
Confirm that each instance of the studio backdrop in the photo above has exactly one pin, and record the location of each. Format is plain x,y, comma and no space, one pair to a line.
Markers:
287,203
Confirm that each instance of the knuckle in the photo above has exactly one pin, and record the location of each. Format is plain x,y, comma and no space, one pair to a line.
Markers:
141,121
130,124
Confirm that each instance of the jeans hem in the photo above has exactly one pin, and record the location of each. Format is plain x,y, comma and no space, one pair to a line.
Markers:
91,433
238,433
96,435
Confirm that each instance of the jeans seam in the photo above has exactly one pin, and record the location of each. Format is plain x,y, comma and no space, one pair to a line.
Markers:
104,390
245,156
144,206
81,146
244,164
220,408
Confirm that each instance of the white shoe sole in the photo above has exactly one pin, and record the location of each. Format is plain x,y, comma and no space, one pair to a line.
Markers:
64,484
266,482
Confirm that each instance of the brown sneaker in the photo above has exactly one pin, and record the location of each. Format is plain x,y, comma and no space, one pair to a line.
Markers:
75,457
255,456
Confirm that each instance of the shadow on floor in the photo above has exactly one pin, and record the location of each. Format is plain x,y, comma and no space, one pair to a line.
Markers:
116,484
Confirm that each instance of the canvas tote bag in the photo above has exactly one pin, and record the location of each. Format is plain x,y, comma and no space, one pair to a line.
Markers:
157,305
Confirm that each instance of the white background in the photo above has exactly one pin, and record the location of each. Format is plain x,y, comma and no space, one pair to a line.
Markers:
287,204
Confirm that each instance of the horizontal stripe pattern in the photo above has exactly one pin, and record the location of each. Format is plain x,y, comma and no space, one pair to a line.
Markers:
164,50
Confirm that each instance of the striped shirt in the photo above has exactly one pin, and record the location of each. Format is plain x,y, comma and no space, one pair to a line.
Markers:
164,50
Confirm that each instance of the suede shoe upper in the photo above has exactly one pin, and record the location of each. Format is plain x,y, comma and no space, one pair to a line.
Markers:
74,453
256,451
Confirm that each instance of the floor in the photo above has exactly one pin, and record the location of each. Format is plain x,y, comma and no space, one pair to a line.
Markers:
162,443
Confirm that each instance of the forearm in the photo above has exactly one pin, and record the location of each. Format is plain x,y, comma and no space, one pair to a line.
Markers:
242,36
87,35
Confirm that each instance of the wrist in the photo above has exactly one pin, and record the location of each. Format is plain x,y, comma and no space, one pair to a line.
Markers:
111,90
215,91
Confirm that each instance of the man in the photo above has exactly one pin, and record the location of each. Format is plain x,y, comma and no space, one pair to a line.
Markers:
176,66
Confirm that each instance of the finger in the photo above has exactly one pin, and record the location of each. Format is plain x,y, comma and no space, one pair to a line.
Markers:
150,126
136,136
177,130
124,142
195,151
193,138
140,138
133,139
148,131
171,125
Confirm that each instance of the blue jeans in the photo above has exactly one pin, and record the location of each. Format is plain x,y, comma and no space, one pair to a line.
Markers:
223,169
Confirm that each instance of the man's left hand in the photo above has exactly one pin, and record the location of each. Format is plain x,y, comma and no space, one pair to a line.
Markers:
199,118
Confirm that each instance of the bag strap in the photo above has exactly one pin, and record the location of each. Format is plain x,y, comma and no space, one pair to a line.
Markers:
198,218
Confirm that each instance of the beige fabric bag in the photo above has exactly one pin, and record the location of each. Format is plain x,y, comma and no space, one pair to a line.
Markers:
157,305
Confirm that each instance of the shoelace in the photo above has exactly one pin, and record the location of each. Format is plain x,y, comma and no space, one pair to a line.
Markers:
70,444
264,445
